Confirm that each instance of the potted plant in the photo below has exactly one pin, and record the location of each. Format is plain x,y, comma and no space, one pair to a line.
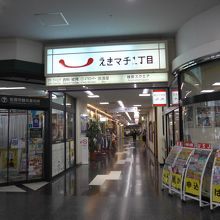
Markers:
92,134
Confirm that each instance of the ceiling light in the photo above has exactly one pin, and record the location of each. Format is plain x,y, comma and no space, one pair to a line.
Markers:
145,91
216,84
104,103
196,84
143,94
121,103
54,96
8,88
135,85
137,105
89,92
207,91
93,96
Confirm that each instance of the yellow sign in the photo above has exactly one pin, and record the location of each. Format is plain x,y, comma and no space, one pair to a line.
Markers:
176,181
216,193
192,186
166,176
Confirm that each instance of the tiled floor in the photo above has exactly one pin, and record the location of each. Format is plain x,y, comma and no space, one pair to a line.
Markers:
132,193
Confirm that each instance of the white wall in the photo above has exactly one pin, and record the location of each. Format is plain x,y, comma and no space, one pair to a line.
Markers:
81,108
198,37
21,49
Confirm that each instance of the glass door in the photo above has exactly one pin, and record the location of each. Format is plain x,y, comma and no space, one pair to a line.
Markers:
36,127
3,145
17,149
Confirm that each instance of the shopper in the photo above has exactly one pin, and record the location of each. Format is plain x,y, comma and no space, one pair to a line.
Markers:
144,139
134,136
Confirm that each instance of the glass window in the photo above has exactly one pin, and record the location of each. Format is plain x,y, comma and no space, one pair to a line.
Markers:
69,125
57,125
201,122
58,98
201,79
69,103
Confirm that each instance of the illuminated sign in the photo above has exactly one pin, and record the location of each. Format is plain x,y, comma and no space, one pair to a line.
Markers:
159,97
106,79
101,59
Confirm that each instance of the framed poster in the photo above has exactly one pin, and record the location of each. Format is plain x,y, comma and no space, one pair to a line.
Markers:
204,117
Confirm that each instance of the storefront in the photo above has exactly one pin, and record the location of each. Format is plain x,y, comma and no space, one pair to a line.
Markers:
200,98
23,144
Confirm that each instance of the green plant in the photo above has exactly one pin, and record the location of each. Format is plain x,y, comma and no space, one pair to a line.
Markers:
92,134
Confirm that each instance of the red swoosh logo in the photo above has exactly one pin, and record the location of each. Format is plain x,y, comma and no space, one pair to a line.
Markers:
89,62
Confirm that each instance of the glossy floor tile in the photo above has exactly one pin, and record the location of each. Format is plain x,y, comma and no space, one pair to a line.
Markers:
133,193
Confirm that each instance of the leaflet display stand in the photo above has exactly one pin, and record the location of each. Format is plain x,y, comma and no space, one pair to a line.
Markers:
192,187
167,169
215,182
178,170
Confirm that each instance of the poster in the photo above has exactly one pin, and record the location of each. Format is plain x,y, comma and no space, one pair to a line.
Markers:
204,117
194,172
178,168
169,163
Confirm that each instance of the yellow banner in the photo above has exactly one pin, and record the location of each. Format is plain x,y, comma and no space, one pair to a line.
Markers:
176,181
166,175
192,186
216,193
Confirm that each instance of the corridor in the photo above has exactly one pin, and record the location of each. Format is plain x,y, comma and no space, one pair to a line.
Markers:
133,192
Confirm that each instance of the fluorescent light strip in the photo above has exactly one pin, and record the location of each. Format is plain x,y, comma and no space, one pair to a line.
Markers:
93,96
94,108
143,94
89,92
104,103
216,84
121,103
137,105
8,88
128,115
207,91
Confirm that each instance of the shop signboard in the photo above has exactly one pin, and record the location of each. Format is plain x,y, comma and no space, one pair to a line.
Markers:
194,174
77,60
159,97
215,182
107,79
169,162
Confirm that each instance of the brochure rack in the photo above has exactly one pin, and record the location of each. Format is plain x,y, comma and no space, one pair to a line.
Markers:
178,170
167,169
215,182
192,187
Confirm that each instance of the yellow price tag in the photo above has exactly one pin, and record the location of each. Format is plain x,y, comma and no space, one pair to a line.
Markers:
216,193
192,186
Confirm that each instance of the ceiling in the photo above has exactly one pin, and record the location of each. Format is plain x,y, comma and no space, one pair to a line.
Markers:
38,19
56,21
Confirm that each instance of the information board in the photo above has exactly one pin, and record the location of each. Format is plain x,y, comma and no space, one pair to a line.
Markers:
215,182
169,162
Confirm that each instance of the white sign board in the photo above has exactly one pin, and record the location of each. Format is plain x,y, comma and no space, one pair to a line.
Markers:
106,79
159,97
175,97
83,142
111,58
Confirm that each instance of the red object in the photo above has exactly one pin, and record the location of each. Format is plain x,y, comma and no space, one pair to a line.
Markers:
189,144
204,146
179,143
89,62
